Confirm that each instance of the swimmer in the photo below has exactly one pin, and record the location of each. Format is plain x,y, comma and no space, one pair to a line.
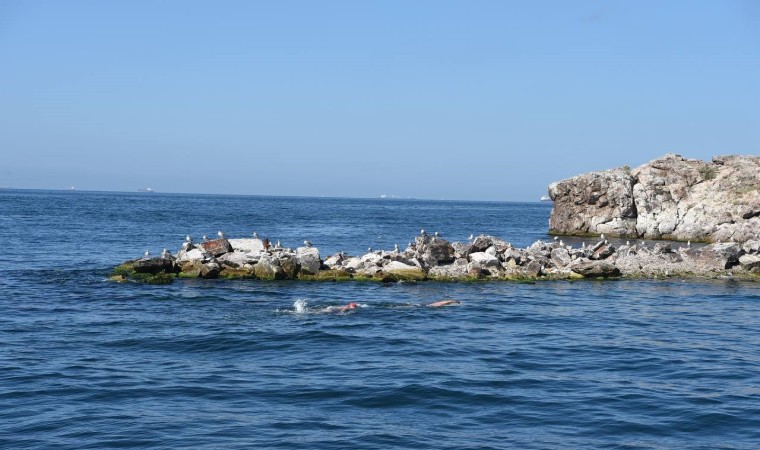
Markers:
341,309
438,304
351,305
441,303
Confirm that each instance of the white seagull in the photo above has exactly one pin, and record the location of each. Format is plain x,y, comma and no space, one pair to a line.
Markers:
220,234
255,235
146,254
188,239
205,238
307,243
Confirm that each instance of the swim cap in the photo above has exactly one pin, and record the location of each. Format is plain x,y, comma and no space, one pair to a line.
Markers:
352,305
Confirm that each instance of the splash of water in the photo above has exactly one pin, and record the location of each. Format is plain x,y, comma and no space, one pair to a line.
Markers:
300,306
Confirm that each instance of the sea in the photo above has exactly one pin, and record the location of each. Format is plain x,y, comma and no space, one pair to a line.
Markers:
87,363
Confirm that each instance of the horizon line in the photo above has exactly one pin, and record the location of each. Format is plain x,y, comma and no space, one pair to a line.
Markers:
154,192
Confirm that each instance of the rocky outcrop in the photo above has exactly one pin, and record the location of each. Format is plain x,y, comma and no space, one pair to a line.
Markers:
437,259
668,198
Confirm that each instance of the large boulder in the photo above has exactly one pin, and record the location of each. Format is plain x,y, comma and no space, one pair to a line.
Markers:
667,198
434,250
595,269
210,270
561,257
596,202
450,272
749,262
267,269
308,260
288,262
154,265
403,271
217,247
484,259
712,258
194,254
247,245
234,259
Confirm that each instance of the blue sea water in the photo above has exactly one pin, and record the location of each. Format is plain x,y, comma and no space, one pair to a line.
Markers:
87,363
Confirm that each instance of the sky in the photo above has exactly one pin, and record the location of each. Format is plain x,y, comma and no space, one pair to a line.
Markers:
460,100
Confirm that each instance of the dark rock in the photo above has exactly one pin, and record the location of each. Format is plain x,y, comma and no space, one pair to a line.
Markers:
533,269
217,247
210,270
603,252
155,265
595,269
289,265
434,250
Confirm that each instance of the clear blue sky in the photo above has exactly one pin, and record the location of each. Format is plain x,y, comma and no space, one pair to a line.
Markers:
482,100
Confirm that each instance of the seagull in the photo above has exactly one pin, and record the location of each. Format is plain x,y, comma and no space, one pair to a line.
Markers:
601,236
422,233
205,238
436,234
307,243
188,239
220,234
146,254
165,254
583,246
627,243
556,237
561,244
688,243
278,245
255,235
369,250
471,237
395,248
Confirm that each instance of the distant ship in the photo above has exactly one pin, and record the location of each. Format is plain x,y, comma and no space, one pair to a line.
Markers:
546,198
146,190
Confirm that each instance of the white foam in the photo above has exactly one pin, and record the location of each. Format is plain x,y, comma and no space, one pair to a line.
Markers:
300,305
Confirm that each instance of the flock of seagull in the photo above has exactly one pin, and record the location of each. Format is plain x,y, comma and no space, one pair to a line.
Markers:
189,240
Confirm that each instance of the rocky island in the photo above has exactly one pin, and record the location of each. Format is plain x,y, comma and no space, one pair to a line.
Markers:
434,258
668,198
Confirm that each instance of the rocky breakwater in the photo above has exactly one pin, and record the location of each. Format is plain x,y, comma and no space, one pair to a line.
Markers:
434,258
668,198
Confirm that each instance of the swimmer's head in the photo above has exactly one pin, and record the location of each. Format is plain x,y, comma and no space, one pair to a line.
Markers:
352,305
